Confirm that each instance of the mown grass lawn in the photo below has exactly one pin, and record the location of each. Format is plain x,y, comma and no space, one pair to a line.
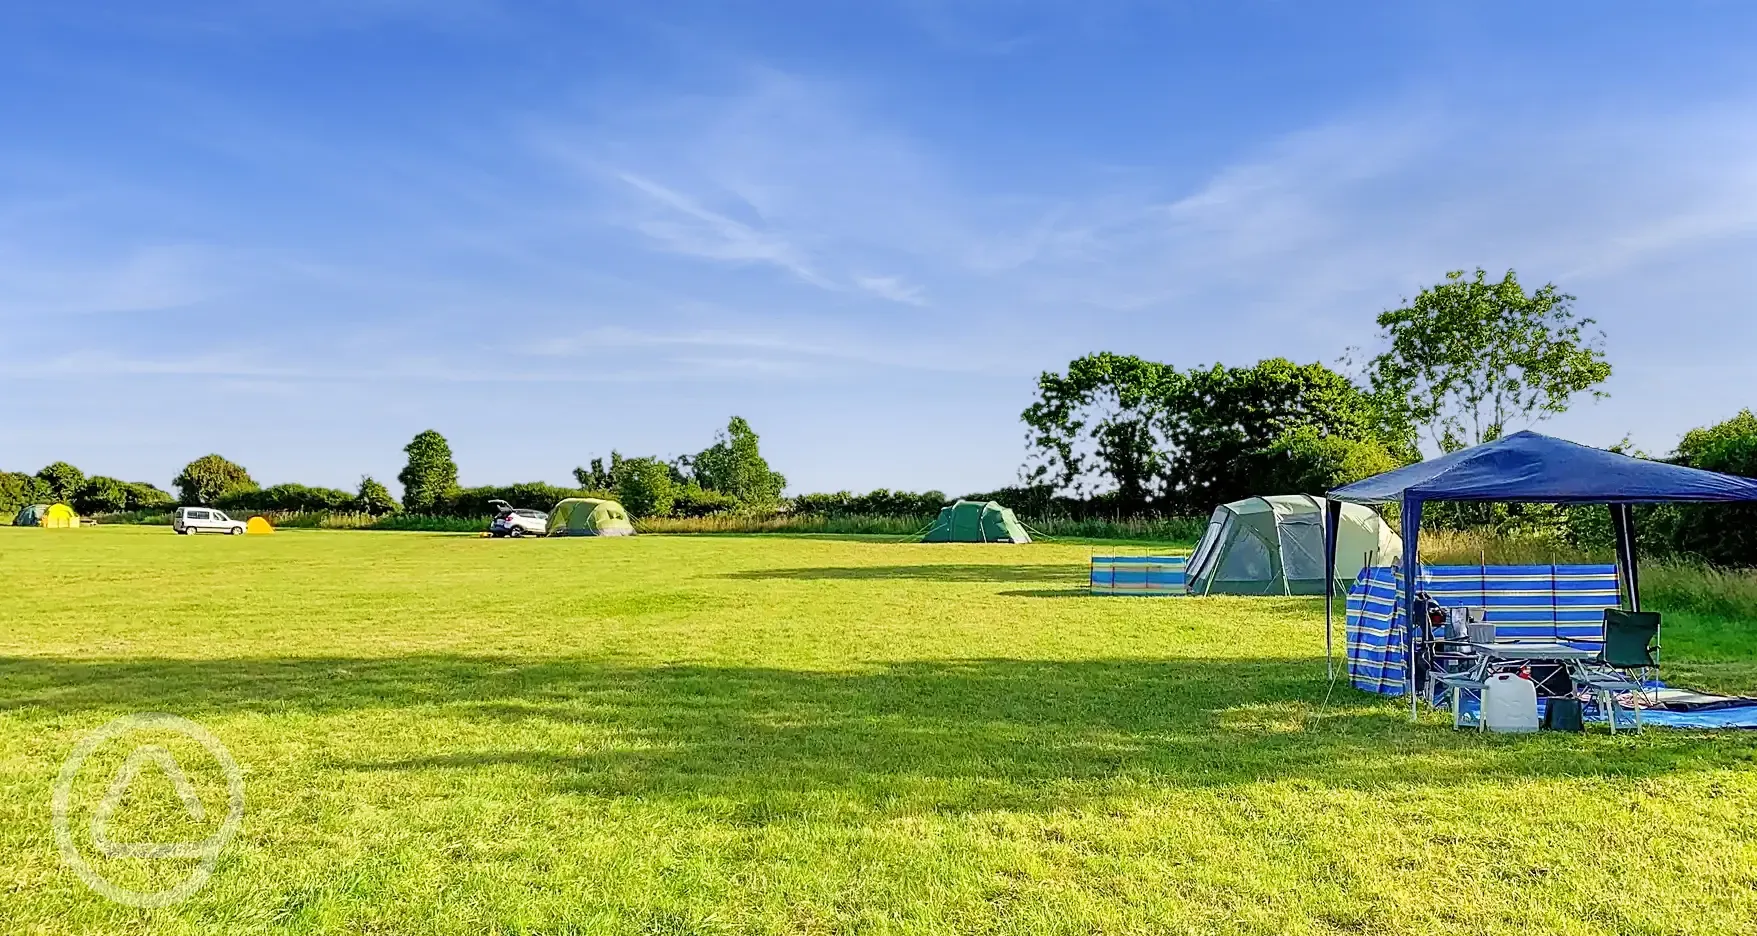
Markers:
445,734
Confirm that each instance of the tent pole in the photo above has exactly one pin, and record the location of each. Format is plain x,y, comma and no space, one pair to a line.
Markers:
1411,522
1332,519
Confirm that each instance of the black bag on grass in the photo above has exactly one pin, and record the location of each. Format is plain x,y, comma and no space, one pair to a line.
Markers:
1563,715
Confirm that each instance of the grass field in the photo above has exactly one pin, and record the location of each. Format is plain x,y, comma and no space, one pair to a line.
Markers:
670,735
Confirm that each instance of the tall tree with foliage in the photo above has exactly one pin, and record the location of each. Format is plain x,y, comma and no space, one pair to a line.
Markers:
100,495
597,477
1470,358
644,486
1171,441
374,498
60,482
210,477
1724,534
734,465
431,475
17,491
1100,424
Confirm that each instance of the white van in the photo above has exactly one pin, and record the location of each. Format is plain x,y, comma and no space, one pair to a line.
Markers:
204,520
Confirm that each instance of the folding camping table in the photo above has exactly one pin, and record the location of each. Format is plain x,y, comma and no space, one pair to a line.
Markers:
1493,653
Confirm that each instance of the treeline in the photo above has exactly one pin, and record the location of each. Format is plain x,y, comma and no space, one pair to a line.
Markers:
729,475
62,483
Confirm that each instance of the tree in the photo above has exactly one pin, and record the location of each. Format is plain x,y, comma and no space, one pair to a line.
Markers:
1170,441
17,491
1101,421
144,496
1469,357
1721,534
1304,461
1223,423
595,478
101,495
430,476
644,486
374,498
209,478
734,466
60,482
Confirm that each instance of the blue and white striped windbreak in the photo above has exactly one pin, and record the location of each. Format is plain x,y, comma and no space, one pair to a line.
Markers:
1564,602
1138,575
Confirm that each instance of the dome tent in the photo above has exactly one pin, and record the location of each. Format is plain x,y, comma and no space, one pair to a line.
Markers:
47,515
967,521
589,516
1275,546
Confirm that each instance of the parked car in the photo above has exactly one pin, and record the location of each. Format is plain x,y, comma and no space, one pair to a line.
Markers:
511,521
205,520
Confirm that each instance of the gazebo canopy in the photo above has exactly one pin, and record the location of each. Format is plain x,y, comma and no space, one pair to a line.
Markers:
1528,467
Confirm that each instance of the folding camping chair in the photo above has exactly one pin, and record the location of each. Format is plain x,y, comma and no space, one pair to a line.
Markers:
1631,638
1453,663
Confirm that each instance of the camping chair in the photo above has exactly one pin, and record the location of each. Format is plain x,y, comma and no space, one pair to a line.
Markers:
1631,638
1453,662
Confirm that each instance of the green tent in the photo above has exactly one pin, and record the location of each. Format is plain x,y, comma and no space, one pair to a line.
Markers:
47,515
976,522
1275,546
589,516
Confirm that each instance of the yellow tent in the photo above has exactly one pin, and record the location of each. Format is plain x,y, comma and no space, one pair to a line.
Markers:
58,516
259,525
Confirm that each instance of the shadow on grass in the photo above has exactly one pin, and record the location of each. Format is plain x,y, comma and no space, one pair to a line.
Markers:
973,572
949,736
1085,592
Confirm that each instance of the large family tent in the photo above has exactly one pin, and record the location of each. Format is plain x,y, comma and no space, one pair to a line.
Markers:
1275,546
976,522
47,515
589,516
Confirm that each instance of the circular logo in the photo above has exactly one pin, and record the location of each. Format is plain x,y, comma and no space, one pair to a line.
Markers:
205,852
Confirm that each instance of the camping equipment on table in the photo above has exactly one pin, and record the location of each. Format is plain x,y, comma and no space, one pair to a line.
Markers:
1138,575
1527,467
1553,603
589,516
1275,546
967,521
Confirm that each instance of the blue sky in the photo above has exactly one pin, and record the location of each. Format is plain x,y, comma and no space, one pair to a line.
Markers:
298,233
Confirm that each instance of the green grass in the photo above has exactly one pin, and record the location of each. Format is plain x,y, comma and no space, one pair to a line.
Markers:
449,734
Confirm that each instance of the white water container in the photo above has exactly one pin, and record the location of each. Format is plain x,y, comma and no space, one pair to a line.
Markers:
1509,703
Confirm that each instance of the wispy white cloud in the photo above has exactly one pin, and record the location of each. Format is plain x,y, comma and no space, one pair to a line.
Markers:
142,279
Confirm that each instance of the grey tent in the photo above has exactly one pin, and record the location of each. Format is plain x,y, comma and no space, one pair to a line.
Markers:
1275,546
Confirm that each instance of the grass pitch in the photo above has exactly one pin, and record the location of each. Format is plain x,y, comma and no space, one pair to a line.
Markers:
669,735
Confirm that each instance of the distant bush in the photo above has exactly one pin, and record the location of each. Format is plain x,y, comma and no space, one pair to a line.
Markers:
101,495
645,487
60,482
289,497
692,501
531,495
374,498
880,502
209,478
1722,534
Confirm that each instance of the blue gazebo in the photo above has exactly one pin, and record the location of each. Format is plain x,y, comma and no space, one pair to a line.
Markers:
1528,467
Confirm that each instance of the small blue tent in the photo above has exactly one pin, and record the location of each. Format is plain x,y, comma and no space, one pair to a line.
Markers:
1528,467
